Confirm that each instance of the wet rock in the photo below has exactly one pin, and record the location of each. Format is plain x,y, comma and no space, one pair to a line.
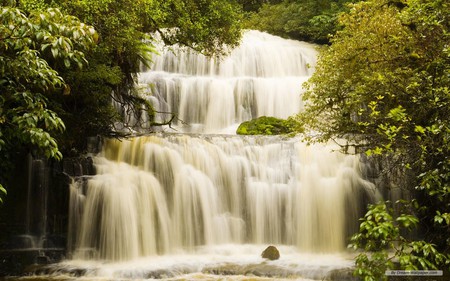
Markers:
262,269
42,259
224,269
342,274
271,253
159,274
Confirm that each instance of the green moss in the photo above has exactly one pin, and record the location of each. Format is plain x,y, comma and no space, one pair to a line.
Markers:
267,126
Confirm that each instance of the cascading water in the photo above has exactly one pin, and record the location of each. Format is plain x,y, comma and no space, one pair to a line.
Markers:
262,77
214,193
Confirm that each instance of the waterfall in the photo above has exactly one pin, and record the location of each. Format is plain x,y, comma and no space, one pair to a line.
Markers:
202,186
158,194
262,77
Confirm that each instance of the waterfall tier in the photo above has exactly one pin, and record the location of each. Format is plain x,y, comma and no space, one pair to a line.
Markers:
262,77
165,193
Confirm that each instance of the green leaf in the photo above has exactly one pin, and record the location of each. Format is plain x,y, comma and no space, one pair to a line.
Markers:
440,218
55,52
2,189
398,113
408,221
67,62
419,129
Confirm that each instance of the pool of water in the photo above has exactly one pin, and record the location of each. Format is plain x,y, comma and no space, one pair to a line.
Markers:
226,262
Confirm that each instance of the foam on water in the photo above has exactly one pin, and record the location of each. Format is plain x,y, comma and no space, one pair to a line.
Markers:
233,262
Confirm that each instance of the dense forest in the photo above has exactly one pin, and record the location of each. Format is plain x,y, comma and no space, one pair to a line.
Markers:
309,20
381,83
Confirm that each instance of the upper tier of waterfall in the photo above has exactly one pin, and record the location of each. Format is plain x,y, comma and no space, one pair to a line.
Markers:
259,55
262,77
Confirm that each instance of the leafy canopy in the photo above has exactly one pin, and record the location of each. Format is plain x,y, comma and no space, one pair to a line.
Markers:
127,31
31,46
47,101
308,20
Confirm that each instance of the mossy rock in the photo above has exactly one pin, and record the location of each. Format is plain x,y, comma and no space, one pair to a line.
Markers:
271,253
267,126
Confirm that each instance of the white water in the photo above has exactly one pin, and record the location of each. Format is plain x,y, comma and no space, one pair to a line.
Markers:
180,197
225,262
262,77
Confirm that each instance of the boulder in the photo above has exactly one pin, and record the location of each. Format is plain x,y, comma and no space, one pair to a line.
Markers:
271,253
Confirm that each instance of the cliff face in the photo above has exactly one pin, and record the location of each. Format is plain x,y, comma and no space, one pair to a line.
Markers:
34,217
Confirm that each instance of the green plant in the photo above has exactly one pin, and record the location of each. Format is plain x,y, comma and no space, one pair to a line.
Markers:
385,247
266,126
31,47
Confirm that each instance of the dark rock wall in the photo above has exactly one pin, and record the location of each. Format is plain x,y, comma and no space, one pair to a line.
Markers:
34,217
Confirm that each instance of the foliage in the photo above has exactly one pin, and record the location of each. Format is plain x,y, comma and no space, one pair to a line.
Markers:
255,5
41,54
383,85
309,20
266,126
127,29
31,5
381,235
31,47
88,110
209,26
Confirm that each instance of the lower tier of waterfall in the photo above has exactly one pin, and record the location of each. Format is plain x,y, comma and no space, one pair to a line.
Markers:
166,194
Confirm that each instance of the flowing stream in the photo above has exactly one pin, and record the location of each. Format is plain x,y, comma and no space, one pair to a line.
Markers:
195,201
